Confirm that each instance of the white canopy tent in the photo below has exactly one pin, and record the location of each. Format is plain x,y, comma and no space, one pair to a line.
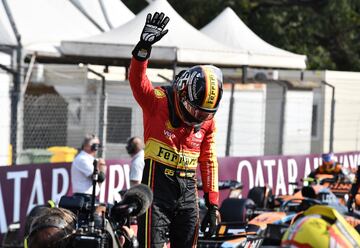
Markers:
183,44
227,28
42,24
108,14
5,38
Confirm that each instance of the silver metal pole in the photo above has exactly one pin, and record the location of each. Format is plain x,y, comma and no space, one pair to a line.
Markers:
103,114
230,120
15,93
332,116
282,115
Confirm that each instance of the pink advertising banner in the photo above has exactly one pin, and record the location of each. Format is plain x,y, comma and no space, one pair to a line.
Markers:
275,171
24,186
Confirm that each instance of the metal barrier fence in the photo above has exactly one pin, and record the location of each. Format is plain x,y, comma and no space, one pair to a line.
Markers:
51,126
56,113
60,117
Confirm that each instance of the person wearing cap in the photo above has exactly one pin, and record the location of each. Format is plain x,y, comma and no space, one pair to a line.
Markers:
329,166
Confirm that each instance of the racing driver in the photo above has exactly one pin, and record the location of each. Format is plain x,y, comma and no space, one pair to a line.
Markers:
179,132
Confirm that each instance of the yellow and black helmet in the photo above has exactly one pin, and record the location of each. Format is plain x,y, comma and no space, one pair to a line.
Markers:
198,92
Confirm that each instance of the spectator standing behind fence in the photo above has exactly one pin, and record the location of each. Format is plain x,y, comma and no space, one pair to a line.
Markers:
135,148
82,167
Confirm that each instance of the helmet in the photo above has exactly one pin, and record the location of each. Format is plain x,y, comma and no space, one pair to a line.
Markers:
328,160
198,92
321,226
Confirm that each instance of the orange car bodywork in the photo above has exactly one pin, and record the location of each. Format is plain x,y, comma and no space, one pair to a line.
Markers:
337,188
267,218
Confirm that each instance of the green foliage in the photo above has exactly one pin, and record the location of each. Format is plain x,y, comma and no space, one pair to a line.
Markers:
327,31
135,5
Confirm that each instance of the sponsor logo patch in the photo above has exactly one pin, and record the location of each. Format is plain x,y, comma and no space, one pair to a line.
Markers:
198,135
169,134
213,89
159,93
170,156
179,159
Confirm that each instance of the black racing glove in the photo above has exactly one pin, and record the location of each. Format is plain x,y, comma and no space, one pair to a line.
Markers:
152,32
209,219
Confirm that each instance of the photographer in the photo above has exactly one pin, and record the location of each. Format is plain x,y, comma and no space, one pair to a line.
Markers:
82,168
54,227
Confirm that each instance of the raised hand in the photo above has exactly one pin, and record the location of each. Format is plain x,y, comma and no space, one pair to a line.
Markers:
154,28
152,32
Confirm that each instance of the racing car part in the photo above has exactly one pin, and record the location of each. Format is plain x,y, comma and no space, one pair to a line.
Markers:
260,195
239,210
321,226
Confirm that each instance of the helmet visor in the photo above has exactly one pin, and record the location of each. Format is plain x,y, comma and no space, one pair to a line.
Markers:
198,113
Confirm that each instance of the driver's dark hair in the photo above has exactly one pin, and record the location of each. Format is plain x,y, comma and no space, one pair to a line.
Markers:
39,235
34,213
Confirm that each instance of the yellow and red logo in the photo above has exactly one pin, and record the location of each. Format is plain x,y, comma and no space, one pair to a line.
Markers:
212,89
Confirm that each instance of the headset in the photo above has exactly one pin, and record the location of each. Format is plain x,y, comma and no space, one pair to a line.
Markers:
95,147
131,146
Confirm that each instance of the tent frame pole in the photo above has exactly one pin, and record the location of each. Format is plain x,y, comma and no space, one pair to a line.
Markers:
231,109
282,115
82,11
230,120
15,93
103,112
332,116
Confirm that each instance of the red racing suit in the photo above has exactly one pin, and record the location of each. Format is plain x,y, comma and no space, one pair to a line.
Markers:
173,151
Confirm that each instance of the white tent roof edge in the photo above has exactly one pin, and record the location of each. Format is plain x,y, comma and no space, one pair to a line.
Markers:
6,36
42,25
191,45
159,53
231,31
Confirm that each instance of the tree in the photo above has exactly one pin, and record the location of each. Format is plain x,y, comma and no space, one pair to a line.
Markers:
327,31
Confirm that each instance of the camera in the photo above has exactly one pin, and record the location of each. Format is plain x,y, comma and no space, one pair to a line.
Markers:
101,226
91,229
90,240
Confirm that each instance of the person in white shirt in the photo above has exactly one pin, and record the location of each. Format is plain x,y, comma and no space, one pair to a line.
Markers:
135,148
83,167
